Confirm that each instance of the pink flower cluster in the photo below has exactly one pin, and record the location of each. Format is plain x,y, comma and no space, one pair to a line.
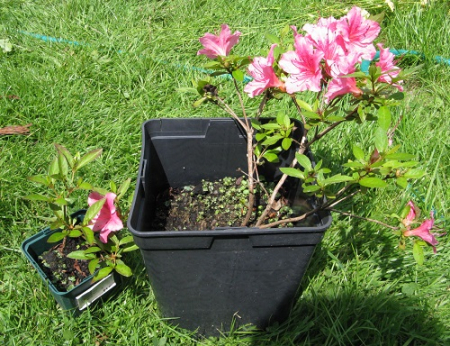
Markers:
329,50
423,231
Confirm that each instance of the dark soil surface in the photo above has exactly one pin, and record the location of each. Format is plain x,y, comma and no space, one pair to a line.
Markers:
221,203
65,273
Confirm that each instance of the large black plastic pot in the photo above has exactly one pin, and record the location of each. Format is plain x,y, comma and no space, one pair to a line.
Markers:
207,280
82,295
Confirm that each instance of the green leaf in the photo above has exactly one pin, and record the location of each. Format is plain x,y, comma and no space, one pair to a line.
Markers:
372,182
131,248
336,179
89,235
56,224
400,156
418,253
126,240
93,210
293,172
100,190
271,140
271,157
311,115
238,75
213,65
272,38
335,118
80,255
260,136
256,124
92,249
88,158
358,153
53,169
353,164
311,188
63,165
304,161
40,179
285,30
102,273
271,126
92,266
75,233
286,143
355,75
123,188
304,105
37,197
381,140
283,120
62,150
199,102
414,174
61,201
85,186
56,237
402,182
113,187
384,118
123,270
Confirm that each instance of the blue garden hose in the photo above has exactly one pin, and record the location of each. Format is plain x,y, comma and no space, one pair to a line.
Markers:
364,65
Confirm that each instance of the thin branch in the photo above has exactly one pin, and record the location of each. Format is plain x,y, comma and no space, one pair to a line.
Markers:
330,205
293,219
263,103
232,113
331,127
280,183
364,218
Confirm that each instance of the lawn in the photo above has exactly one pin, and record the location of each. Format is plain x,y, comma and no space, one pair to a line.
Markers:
88,73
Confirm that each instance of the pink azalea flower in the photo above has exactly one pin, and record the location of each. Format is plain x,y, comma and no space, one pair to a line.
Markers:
264,76
388,68
412,214
423,231
107,220
341,86
358,33
326,41
303,65
218,45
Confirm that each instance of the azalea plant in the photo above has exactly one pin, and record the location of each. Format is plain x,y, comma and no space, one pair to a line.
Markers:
99,240
323,62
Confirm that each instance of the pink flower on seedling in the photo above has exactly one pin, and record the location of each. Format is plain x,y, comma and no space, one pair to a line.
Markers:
107,220
423,231
303,65
218,45
412,214
388,68
264,77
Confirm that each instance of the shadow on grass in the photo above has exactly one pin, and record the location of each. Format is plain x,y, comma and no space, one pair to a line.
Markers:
357,318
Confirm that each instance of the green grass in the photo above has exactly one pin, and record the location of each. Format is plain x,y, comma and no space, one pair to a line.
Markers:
130,61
